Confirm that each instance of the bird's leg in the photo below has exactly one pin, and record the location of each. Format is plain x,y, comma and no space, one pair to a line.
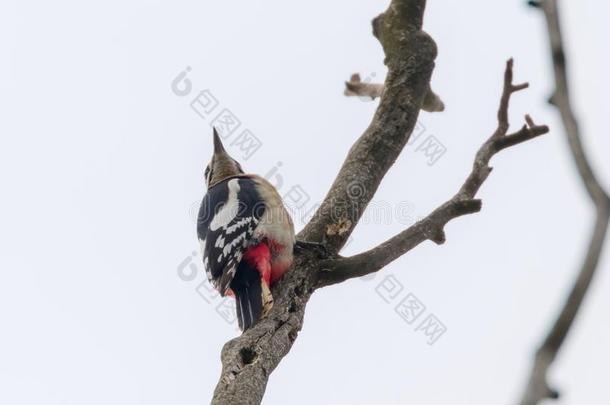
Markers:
267,298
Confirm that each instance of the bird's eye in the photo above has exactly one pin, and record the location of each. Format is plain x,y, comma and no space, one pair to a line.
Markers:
207,171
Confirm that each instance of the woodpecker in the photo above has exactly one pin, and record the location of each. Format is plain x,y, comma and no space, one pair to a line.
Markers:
246,235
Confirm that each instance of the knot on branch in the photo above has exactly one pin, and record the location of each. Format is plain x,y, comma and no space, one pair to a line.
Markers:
247,355
406,15
398,30
339,228
434,231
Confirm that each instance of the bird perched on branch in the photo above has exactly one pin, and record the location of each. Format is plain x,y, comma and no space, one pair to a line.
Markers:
246,235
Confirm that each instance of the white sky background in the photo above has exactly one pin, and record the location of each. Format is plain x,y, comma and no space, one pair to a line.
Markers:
100,165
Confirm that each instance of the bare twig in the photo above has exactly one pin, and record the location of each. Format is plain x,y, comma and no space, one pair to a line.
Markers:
463,203
537,387
355,87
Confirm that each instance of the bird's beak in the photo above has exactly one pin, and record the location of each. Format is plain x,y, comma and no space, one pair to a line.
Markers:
218,147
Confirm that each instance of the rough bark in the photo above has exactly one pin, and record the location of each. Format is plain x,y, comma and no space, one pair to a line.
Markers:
537,387
248,360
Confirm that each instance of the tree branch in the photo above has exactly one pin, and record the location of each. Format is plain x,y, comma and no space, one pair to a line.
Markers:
537,387
355,87
462,203
410,54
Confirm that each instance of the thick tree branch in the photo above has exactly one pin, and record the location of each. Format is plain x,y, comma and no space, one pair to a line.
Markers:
410,54
462,203
537,387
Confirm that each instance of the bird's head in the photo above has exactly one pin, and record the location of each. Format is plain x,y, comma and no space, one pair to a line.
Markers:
222,165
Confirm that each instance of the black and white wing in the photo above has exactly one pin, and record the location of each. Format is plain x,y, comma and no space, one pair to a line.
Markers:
228,216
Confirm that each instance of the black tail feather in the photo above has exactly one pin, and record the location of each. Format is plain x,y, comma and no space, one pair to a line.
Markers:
246,286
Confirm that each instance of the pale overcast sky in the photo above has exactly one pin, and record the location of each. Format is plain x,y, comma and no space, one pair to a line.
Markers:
101,167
